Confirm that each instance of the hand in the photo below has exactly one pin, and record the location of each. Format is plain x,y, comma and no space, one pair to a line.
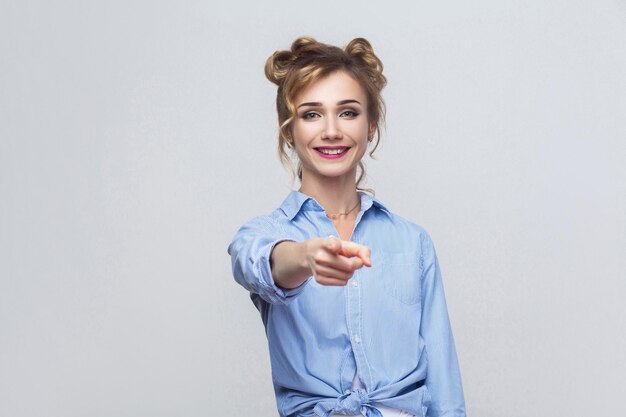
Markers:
333,261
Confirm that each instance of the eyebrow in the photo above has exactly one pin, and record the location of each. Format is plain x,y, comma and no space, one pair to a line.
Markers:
318,104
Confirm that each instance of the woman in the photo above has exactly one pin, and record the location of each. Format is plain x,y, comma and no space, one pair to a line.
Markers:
350,294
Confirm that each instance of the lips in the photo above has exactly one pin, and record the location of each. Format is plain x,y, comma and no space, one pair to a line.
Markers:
332,147
332,152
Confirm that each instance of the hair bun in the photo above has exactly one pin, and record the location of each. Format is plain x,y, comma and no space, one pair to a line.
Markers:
361,49
277,66
280,62
303,45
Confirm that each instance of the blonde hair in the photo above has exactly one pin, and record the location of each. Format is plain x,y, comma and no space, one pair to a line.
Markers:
309,61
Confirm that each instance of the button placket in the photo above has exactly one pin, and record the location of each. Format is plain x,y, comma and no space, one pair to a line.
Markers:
354,315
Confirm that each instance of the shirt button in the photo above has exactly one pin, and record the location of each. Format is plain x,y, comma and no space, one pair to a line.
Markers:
355,283
347,392
357,339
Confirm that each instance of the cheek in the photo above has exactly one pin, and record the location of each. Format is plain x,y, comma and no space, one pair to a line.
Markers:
303,133
359,131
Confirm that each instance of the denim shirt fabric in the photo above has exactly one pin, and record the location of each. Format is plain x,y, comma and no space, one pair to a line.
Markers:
389,324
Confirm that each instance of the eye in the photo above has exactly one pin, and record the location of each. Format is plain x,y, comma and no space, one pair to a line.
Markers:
350,114
310,115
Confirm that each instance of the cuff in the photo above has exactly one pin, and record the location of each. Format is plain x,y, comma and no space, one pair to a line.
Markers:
270,291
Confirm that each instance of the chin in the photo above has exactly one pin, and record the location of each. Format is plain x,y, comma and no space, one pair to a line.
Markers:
335,173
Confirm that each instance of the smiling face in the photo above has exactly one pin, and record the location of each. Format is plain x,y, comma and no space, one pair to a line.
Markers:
331,128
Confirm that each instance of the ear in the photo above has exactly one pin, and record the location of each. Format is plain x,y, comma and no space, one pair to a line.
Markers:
288,136
372,130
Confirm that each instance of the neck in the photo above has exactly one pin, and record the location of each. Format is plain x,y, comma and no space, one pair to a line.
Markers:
335,195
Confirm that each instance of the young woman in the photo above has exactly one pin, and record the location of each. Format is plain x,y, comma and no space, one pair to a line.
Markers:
350,293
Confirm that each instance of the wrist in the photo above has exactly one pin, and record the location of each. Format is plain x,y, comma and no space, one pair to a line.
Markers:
303,257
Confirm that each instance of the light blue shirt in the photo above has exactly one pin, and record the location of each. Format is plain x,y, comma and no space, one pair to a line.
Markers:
390,323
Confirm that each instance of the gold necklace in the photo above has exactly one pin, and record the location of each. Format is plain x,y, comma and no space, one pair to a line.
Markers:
335,216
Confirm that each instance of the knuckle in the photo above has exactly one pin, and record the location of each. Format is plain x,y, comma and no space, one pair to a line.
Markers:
318,255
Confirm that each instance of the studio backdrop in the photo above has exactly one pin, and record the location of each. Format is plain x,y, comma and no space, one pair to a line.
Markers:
137,136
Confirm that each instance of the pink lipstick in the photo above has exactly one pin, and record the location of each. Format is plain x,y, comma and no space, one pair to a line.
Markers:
332,152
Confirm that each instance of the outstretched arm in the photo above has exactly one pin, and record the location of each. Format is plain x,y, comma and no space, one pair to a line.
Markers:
266,261
331,261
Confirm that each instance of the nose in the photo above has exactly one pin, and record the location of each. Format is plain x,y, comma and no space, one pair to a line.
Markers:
331,130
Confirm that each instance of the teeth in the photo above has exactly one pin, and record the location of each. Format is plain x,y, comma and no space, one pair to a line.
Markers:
332,151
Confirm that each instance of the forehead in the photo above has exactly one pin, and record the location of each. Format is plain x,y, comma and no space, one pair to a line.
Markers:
336,86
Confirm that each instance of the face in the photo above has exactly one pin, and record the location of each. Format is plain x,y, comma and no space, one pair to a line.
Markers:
331,128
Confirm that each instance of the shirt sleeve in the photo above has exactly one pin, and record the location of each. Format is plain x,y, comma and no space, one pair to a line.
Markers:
443,378
250,252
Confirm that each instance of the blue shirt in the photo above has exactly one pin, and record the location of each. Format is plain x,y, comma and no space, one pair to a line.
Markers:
389,324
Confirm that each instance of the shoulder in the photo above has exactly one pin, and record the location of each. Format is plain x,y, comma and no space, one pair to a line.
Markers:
275,222
268,223
402,224
392,232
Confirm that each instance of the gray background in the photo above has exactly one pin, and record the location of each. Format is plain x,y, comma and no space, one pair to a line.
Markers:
137,136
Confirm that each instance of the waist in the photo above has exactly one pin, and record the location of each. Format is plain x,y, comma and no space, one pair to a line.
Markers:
385,411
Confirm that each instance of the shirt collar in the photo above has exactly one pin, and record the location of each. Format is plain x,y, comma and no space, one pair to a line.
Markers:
297,201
